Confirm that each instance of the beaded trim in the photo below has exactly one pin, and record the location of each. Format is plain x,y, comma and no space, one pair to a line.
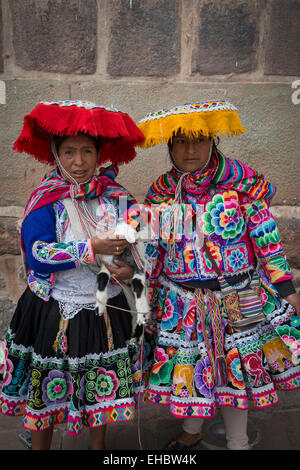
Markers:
80,104
204,106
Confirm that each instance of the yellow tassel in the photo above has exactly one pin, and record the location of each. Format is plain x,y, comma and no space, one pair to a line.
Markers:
209,124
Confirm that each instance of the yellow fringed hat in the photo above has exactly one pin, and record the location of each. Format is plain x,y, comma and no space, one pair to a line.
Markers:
208,118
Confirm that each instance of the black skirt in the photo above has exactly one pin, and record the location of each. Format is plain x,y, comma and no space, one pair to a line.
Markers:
96,382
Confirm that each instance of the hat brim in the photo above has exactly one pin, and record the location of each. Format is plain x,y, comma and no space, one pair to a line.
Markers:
209,124
117,131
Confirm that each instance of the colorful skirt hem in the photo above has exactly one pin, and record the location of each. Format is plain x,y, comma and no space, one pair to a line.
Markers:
90,386
260,360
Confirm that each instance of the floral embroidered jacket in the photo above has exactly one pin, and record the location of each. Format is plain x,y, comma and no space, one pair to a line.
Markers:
240,232
46,254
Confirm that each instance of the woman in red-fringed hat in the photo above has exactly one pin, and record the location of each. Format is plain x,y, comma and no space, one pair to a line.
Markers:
65,363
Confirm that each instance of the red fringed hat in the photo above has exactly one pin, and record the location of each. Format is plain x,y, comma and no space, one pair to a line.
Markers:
118,133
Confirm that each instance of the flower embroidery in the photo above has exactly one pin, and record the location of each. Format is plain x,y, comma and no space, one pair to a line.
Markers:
132,216
151,251
189,256
264,297
2,355
267,237
204,379
277,267
189,316
173,264
234,369
215,251
257,212
295,321
262,228
106,385
170,315
6,366
267,301
171,351
223,219
160,355
237,259
56,387
161,371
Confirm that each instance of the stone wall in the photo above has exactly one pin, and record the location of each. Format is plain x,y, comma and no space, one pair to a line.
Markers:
141,55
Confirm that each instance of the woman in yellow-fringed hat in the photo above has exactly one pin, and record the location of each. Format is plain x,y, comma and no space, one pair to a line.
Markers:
209,119
225,310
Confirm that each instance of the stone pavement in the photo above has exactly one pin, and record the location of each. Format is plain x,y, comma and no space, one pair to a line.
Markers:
276,428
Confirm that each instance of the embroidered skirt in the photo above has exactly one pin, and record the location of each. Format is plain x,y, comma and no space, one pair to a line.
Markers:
258,361
92,385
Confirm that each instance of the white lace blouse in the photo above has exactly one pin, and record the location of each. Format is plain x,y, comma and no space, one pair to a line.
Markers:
75,289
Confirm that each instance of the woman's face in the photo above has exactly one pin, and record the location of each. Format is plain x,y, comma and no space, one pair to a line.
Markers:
78,156
190,154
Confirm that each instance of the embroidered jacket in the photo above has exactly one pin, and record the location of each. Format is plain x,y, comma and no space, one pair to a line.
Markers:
240,233
46,254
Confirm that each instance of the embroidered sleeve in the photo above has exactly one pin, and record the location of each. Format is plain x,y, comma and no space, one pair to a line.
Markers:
76,253
44,250
266,241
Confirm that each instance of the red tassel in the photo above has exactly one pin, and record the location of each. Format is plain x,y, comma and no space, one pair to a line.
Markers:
117,130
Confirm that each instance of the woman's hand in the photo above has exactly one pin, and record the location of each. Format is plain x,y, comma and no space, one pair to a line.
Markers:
107,243
123,273
294,300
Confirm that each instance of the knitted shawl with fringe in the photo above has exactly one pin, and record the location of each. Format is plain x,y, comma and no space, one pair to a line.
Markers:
221,171
54,187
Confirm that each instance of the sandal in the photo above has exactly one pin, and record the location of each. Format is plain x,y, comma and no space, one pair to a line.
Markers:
176,445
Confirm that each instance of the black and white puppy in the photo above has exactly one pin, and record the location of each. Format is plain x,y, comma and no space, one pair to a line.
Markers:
135,289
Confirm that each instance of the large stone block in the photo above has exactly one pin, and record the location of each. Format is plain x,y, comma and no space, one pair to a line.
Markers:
145,39
271,144
282,42
7,308
9,236
20,173
13,278
226,37
54,35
